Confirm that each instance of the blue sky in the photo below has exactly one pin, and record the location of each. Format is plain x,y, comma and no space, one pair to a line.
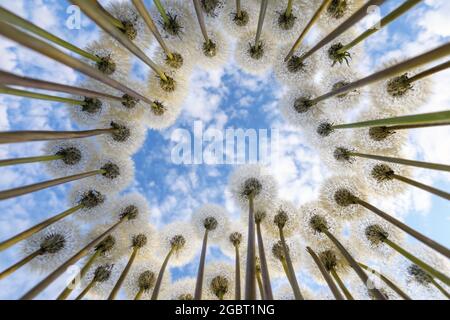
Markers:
224,98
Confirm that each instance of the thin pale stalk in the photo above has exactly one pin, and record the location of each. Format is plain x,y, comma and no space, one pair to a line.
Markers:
399,11
161,11
38,96
389,72
139,294
20,264
40,226
62,268
16,192
416,126
422,186
440,288
7,78
201,269
334,290
260,285
85,290
388,282
406,162
201,20
237,274
161,275
434,118
262,15
297,293
347,24
57,55
27,136
288,10
11,162
115,22
263,261
9,17
288,275
430,72
341,285
250,277
72,285
124,274
238,8
359,271
423,265
425,240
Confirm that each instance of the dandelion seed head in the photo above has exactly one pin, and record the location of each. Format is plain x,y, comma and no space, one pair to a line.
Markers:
255,58
76,154
182,238
219,279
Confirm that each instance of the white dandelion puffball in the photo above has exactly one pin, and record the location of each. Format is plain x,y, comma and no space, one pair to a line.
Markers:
296,108
135,207
106,275
332,258
118,173
182,289
212,10
182,62
219,280
112,247
135,28
126,139
57,243
287,28
337,12
398,94
236,25
294,71
369,233
75,156
236,236
252,179
143,277
378,177
337,196
143,237
182,238
92,110
162,114
213,218
129,108
95,205
337,158
212,55
336,78
275,254
255,59
158,89
285,216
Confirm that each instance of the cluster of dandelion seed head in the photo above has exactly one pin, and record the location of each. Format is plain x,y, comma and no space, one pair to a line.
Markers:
379,177
101,289
213,218
76,155
143,277
219,280
284,215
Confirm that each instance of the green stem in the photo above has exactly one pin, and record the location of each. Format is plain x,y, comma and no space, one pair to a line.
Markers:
9,17
430,72
426,267
124,274
115,22
161,275
263,261
161,11
293,278
250,276
406,162
238,8
440,288
20,264
402,9
86,290
260,285
10,162
201,20
262,15
16,192
422,186
71,286
288,11
28,136
38,96
139,294
341,285
27,233
237,274
434,118
388,282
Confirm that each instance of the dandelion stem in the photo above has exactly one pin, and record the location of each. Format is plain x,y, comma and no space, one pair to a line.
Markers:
102,20
124,274
15,80
40,226
359,271
115,22
38,96
161,275
263,261
139,294
27,136
16,192
62,268
238,8
288,10
201,20
434,118
85,290
237,274
10,162
262,15
389,72
440,288
426,267
347,24
161,11
260,285
413,163
388,282
71,286
425,240
341,285
57,55
250,277
402,9
429,72
290,268
201,268
20,264
337,294
9,17
308,27
422,186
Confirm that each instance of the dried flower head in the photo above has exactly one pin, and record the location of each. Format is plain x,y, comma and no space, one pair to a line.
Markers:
75,156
